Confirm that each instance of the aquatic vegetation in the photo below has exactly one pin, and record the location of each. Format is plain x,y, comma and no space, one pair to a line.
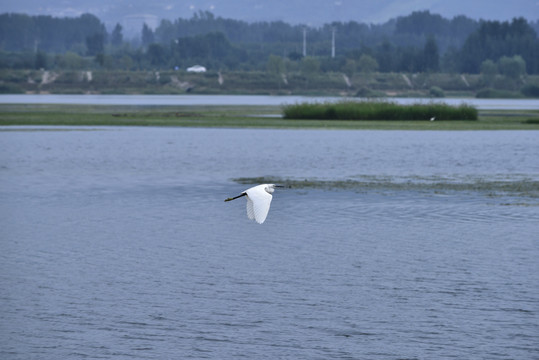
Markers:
379,110
239,116
521,187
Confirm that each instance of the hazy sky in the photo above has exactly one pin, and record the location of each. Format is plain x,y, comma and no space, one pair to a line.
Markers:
131,13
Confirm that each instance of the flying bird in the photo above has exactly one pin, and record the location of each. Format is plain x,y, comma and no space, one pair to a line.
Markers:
258,201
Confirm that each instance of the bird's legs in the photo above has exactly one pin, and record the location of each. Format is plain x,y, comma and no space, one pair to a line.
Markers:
235,197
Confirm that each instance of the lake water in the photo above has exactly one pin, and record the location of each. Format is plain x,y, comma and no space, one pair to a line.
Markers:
178,100
116,244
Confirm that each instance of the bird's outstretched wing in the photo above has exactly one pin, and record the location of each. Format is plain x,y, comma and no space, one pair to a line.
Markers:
250,209
258,204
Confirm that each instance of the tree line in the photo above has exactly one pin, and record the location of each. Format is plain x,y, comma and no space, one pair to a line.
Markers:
419,42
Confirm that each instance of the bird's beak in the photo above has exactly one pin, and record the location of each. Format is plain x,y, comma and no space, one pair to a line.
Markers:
281,186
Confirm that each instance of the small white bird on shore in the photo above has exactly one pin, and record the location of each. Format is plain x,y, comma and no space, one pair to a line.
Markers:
433,118
258,201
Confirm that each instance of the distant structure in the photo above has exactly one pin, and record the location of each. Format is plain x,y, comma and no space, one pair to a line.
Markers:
304,42
333,42
196,69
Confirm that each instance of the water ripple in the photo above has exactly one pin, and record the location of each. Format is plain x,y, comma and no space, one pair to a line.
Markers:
117,244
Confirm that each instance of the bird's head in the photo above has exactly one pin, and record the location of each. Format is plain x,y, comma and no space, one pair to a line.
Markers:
270,188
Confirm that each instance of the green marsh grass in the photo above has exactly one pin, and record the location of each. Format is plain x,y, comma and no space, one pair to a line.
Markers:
238,117
526,188
379,110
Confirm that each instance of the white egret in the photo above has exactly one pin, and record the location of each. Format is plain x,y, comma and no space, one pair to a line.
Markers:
258,201
433,118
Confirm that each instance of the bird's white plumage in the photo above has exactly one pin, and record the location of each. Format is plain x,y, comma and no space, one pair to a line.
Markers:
250,209
258,202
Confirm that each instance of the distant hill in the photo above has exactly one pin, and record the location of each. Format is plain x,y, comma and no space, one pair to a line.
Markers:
133,13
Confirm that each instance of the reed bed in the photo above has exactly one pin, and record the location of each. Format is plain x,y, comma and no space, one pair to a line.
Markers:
379,110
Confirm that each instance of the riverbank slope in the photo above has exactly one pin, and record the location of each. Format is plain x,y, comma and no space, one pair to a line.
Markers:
253,82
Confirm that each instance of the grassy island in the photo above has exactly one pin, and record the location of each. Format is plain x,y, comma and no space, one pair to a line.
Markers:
379,110
241,117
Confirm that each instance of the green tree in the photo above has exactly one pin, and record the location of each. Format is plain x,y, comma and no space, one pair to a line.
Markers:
309,65
489,70
156,54
421,22
126,62
100,59
449,62
385,56
41,60
70,61
147,35
512,67
367,64
95,44
495,39
165,33
295,56
23,32
349,67
275,65
431,56
117,38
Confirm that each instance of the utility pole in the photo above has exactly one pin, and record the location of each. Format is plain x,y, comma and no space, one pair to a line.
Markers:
333,43
304,42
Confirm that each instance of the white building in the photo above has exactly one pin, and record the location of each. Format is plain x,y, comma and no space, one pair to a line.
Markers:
196,68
